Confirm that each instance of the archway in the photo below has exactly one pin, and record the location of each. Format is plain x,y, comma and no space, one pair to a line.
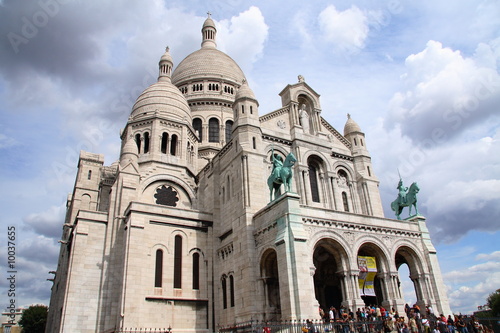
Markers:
408,266
329,258
270,279
372,264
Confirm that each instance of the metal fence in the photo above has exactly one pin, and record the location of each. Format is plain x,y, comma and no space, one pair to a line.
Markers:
316,326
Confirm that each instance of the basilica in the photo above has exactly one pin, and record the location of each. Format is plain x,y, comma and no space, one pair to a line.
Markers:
217,214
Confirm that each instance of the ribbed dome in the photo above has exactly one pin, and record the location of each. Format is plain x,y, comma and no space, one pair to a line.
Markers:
208,63
351,126
245,92
165,98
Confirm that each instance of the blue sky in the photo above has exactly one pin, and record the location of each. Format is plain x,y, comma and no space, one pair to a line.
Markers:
420,78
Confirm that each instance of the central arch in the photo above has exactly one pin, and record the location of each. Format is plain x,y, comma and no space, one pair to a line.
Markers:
377,294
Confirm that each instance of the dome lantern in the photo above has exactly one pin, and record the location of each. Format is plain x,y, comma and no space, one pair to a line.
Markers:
209,33
165,66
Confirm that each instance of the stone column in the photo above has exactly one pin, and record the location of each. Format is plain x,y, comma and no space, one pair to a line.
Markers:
323,184
329,191
369,209
244,172
301,186
337,194
344,288
352,195
307,185
357,301
294,114
204,133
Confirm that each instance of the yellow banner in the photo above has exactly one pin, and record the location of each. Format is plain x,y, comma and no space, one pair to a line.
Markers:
367,272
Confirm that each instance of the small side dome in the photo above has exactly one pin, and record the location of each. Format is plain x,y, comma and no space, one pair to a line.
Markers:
162,98
351,126
245,92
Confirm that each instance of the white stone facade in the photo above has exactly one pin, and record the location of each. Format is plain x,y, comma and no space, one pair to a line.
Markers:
181,231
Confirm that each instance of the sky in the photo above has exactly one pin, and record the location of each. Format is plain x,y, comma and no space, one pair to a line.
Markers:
421,78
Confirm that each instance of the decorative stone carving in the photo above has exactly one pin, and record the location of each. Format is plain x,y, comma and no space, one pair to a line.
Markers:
349,236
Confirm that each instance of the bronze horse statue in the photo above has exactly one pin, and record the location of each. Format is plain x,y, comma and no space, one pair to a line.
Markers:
408,200
281,174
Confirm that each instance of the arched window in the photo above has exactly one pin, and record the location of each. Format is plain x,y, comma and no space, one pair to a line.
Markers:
146,142
224,292
242,109
178,262
173,145
158,268
251,110
196,271
313,179
254,143
89,175
344,200
231,290
229,130
198,128
138,142
164,140
213,130
368,169
355,142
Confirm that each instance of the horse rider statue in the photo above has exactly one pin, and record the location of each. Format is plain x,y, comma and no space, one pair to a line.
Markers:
402,193
277,164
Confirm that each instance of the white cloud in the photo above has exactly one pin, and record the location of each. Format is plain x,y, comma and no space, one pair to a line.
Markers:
346,30
470,286
445,92
243,37
494,256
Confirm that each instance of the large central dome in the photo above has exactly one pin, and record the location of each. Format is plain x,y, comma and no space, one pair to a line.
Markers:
207,62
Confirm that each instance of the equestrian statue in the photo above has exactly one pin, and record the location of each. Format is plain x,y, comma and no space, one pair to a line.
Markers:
281,174
407,197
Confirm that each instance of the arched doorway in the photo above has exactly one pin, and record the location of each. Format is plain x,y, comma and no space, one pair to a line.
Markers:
408,266
372,264
329,258
270,279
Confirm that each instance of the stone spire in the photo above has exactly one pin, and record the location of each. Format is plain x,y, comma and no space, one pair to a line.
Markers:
209,33
165,66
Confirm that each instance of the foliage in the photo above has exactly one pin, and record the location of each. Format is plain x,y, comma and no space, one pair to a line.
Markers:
493,302
34,318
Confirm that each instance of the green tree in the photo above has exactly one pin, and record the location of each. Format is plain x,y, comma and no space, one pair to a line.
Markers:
493,302
34,318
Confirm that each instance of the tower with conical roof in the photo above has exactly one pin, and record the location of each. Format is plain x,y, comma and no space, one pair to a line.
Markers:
368,188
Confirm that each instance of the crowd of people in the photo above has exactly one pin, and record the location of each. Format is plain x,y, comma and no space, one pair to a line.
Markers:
377,319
